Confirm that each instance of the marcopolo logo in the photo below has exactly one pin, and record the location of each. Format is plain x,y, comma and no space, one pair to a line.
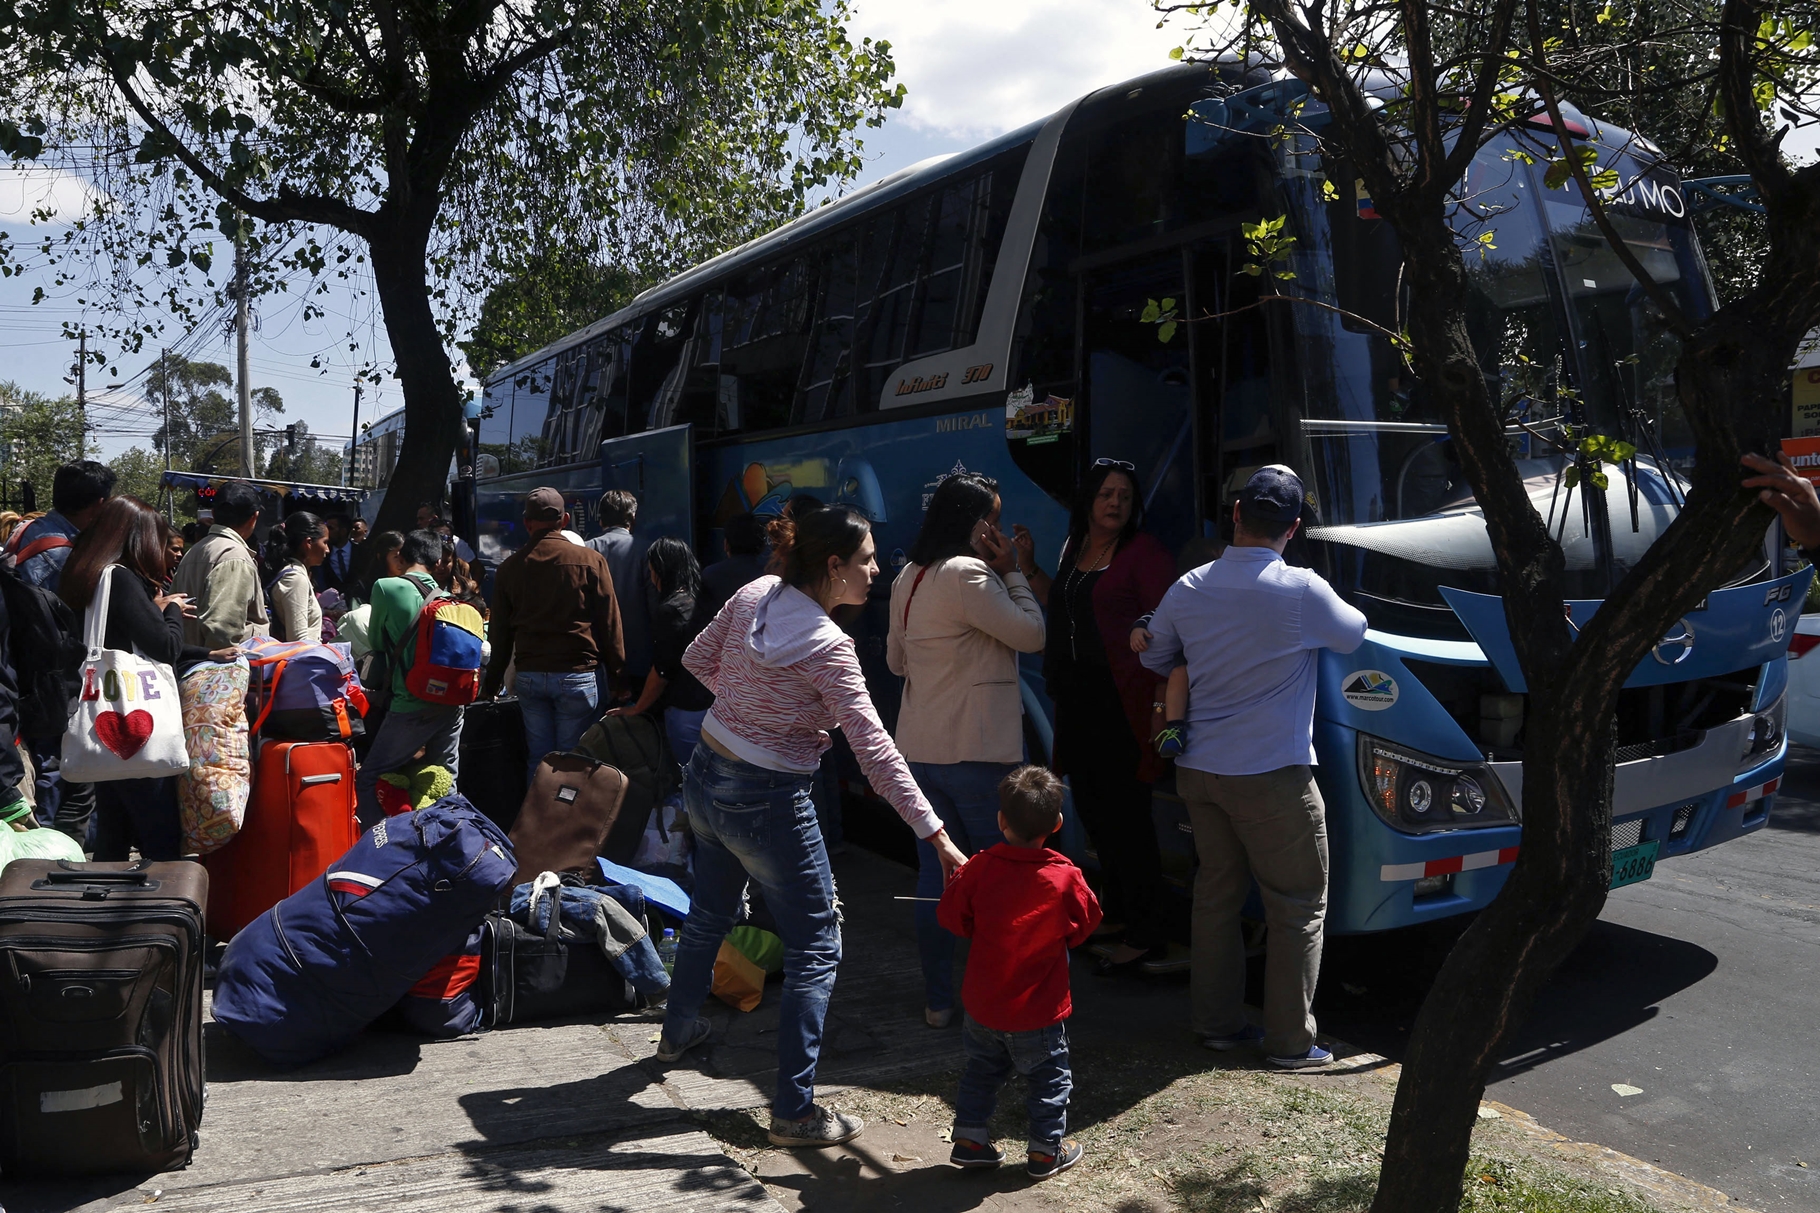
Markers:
1369,690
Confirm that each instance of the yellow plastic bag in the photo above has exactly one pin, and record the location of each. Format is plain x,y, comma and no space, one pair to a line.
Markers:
737,981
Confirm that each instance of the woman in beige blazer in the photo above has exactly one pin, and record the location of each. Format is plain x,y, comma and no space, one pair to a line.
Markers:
960,615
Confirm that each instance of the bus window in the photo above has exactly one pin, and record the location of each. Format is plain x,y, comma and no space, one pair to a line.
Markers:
892,259
660,351
763,342
691,392
495,425
828,379
950,284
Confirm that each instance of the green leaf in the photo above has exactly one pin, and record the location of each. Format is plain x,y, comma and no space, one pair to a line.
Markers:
1600,481
1328,192
1570,477
1176,52
1168,304
1165,331
1150,313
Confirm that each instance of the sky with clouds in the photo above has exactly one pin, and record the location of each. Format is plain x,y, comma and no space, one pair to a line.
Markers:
974,69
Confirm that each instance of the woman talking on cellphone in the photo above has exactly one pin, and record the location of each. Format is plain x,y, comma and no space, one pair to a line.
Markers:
960,614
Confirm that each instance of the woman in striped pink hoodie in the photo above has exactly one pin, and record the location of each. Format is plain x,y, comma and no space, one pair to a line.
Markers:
783,674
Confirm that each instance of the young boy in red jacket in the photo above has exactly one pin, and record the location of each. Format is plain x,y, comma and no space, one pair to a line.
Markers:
1024,907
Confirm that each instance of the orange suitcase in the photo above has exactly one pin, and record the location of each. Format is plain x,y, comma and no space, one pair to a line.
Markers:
299,820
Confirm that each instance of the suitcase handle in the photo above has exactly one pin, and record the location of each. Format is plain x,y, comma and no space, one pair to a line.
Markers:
66,873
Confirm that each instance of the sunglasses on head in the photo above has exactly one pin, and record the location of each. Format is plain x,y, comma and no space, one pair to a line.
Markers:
1120,464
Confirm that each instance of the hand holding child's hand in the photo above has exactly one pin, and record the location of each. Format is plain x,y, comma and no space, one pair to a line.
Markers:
1140,639
950,856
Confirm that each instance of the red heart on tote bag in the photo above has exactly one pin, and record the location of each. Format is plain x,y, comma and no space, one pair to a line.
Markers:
124,735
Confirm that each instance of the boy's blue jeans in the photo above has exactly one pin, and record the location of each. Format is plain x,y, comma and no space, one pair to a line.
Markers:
965,796
750,822
1041,1056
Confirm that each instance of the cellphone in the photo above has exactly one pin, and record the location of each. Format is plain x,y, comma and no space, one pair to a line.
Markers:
981,529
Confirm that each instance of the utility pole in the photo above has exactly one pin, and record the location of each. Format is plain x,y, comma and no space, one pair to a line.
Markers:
164,377
82,382
240,336
354,438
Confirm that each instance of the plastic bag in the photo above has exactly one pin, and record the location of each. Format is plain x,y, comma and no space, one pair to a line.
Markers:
38,844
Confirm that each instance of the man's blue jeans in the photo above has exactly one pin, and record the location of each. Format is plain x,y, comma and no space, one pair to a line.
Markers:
1041,1056
759,824
558,708
965,796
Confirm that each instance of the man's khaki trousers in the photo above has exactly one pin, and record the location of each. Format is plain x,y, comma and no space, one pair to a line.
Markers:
1271,827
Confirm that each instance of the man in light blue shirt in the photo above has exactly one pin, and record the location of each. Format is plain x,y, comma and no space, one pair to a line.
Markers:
1249,627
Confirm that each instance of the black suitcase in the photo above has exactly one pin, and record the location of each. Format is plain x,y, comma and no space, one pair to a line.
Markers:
494,759
100,1015
526,976
636,747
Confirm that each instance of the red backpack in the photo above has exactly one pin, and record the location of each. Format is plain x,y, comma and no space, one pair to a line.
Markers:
445,664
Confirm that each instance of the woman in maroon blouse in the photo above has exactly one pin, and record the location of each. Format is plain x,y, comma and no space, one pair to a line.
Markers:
1110,573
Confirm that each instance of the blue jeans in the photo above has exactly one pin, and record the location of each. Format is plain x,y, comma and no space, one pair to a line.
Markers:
965,796
683,730
759,824
1041,1056
558,709
435,729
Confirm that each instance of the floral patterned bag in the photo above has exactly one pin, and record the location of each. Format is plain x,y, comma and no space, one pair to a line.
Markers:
212,794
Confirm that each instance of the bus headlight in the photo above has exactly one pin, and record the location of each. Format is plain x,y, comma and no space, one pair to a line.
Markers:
1766,732
1419,794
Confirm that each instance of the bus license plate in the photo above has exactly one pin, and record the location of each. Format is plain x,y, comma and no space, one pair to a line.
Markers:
1634,864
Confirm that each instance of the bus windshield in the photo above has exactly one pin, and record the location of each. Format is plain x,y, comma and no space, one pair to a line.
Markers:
1564,335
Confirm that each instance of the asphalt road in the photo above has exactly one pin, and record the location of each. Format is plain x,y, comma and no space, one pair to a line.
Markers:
1700,986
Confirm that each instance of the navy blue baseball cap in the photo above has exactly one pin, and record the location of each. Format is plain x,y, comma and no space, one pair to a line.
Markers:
1273,492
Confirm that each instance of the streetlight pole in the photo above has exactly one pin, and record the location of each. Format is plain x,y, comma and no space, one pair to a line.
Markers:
354,437
240,339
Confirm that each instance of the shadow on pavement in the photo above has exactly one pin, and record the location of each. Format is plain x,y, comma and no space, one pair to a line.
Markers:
1372,986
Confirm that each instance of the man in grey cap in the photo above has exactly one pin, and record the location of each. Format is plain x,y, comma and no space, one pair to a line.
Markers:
1249,628
554,610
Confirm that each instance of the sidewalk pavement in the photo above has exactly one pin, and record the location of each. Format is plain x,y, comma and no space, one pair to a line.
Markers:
552,1117
574,1116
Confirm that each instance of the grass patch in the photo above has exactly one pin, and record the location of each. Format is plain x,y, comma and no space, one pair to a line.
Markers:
1164,1137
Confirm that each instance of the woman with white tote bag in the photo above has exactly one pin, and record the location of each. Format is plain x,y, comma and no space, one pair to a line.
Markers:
126,726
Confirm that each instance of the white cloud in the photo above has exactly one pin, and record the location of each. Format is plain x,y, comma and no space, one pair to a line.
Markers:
25,190
977,68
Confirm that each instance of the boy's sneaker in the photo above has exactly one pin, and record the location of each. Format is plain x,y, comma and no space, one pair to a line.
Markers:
969,1154
821,1127
1250,1034
670,1050
1172,740
1042,1166
1316,1056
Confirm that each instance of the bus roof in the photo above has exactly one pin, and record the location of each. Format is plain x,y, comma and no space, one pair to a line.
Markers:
880,193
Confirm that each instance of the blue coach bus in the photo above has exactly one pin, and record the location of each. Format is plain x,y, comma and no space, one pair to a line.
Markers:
997,311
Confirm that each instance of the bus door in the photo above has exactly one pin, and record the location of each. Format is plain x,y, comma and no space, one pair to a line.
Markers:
657,467
1136,369
1232,389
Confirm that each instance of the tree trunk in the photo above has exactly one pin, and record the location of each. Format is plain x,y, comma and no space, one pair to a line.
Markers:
432,400
1728,380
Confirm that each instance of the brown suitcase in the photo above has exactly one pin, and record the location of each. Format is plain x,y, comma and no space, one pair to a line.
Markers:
100,1015
566,816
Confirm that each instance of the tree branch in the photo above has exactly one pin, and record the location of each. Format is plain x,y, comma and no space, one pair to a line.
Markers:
289,207
1761,152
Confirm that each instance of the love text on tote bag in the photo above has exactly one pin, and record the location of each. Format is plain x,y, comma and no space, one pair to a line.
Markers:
127,722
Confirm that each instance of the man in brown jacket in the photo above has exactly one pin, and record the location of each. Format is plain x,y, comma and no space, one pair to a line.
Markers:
555,613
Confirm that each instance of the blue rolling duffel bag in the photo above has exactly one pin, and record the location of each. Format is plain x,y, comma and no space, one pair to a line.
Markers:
306,976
